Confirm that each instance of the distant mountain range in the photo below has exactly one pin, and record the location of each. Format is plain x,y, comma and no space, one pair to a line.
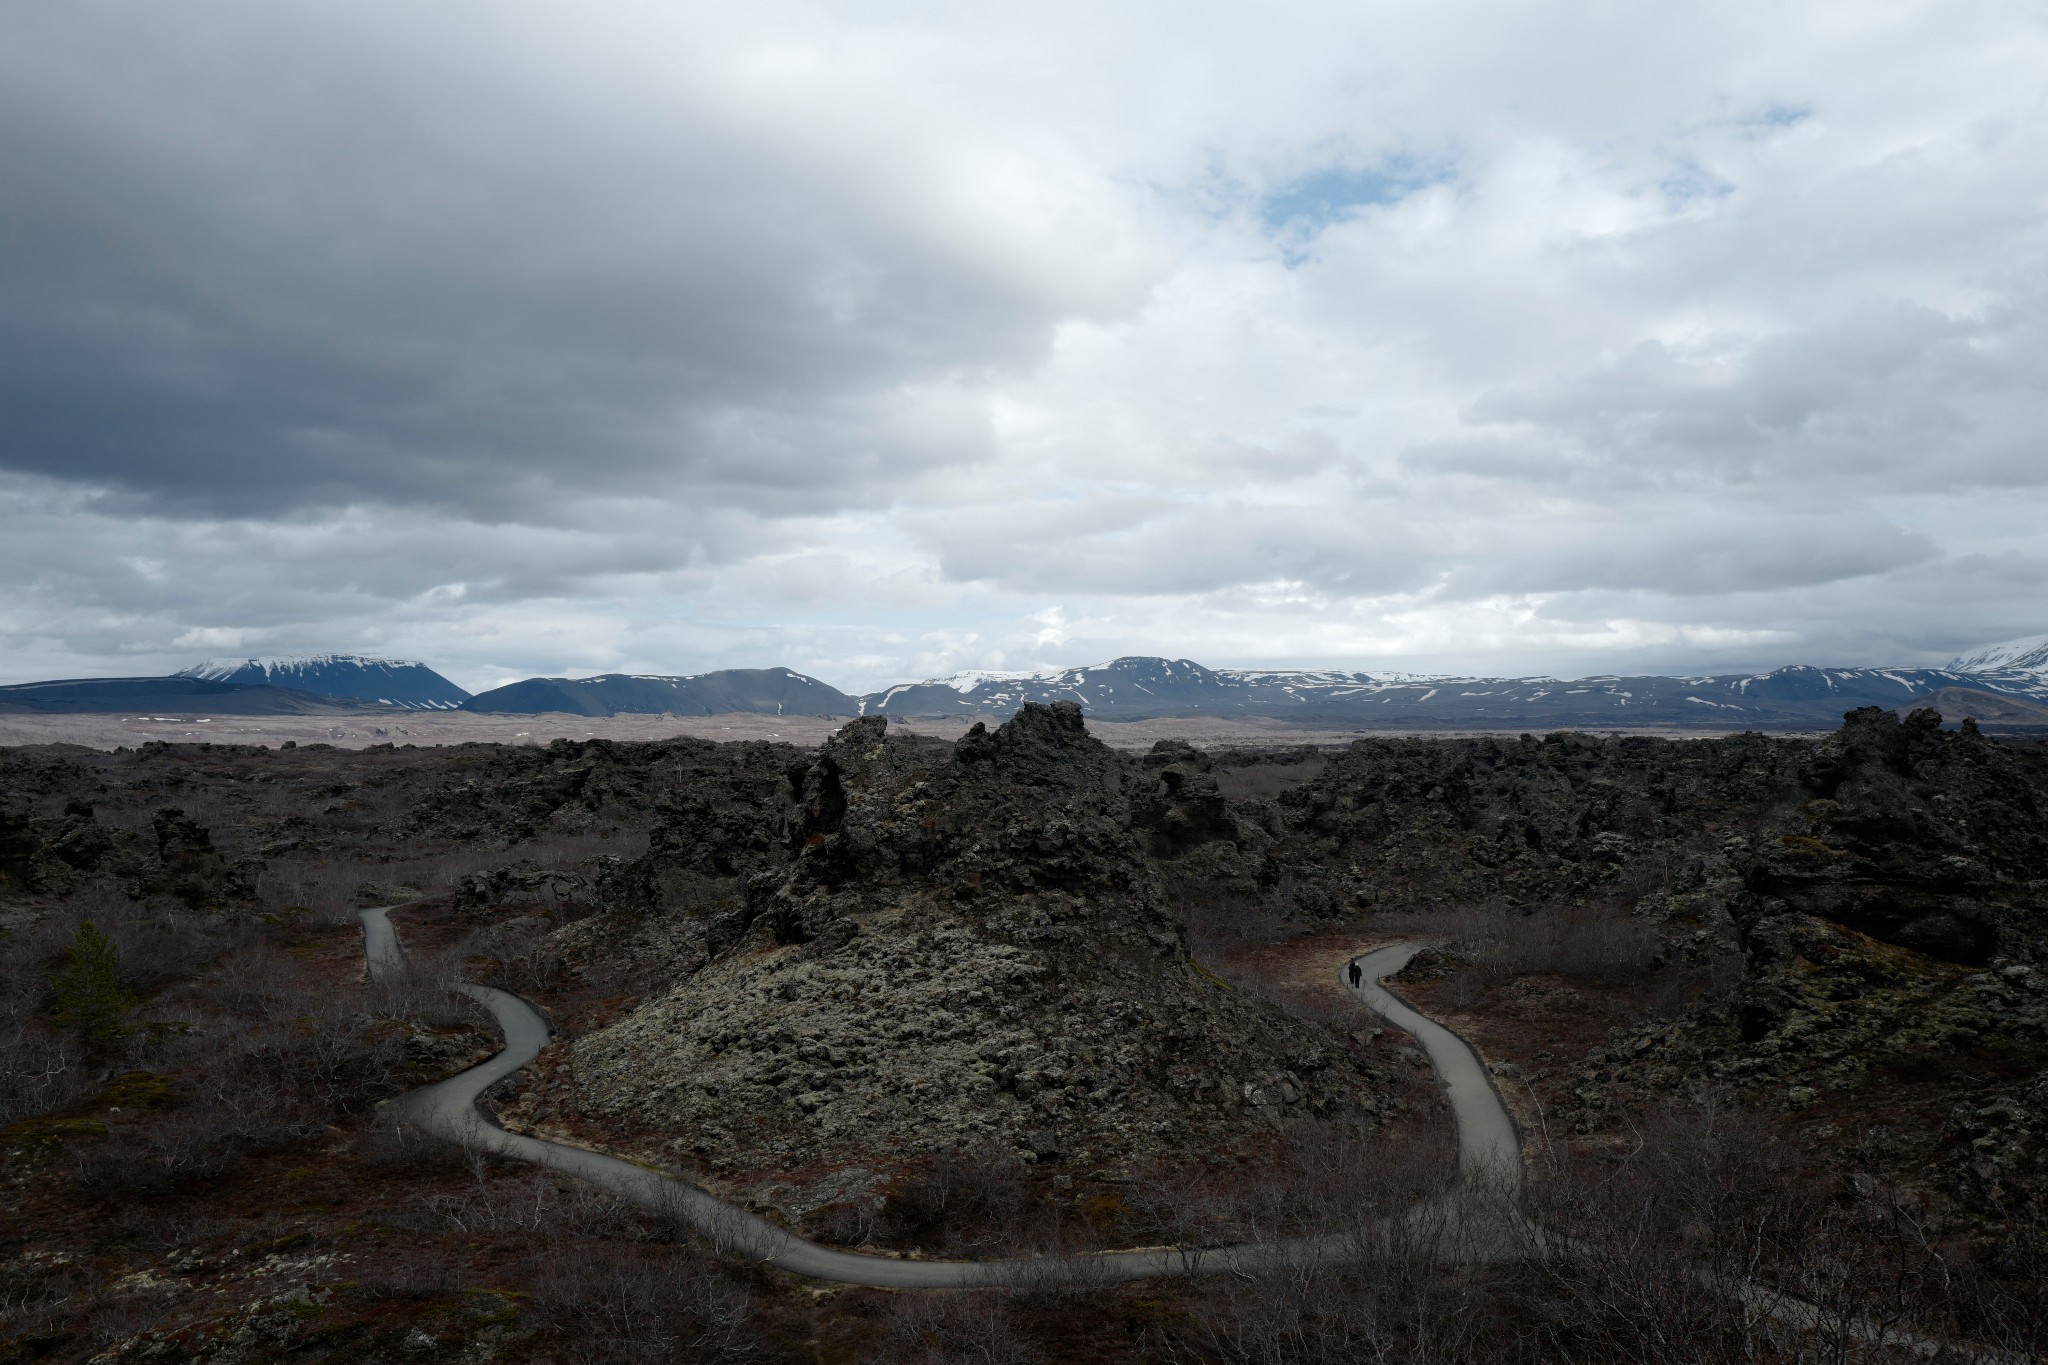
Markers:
2004,684
1147,688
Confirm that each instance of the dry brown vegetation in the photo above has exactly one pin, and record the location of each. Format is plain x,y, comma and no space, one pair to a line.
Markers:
178,1224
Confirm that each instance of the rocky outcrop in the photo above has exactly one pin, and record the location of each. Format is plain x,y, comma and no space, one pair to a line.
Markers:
1886,887
512,795
1932,840
962,946
1825,1010
175,860
526,883
1564,820
189,869
1177,801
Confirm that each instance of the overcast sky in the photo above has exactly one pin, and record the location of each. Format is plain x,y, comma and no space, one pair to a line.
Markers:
883,340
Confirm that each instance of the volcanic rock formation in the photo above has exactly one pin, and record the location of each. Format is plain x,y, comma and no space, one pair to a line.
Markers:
942,948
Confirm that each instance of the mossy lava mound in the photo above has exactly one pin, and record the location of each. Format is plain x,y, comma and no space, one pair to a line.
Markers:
962,947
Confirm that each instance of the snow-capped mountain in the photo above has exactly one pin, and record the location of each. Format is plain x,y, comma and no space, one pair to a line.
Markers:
386,682
2024,659
770,691
1142,688
2006,683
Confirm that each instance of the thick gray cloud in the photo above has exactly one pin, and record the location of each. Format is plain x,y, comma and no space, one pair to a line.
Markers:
892,339
295,256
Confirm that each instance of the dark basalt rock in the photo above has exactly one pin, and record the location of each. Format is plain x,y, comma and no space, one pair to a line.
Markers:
1042,745
1913,835
18,848
1928,838
978,925
190,869
1182,806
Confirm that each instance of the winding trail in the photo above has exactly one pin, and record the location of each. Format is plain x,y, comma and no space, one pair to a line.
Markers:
1489,1162
1489,1150
1478,1220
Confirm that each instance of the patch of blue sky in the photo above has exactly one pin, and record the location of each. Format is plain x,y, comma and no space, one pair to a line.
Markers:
1332,193
1771,118
1298,211
1688,181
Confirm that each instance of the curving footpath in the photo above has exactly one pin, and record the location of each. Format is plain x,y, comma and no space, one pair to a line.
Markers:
1477,1221
1489,1150
1489,1158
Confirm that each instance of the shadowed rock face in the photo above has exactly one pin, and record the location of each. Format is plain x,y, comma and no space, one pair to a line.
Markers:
56,855
1177,802
1034,807
1930,839
1562,820
1914,836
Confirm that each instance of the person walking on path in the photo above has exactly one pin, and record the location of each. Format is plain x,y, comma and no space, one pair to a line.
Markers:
1357,974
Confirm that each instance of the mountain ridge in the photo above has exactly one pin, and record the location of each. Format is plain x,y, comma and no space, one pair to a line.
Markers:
2024,658
1148,688
404,683
100,696
771,691
2005,683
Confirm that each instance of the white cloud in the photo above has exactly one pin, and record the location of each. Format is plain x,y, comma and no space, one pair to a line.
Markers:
889,341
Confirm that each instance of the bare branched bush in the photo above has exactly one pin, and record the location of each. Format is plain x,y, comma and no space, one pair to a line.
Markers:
629,1305
328,891
519,956
1327,1182
2004,1303
1220,917
1594,944
155,942
955,1328
41,1070
387,1140
1182,1203
1713,1240
38,1295
1338,1314
537,1202
408,1272
1495,943
427,988
244,1086
959,1203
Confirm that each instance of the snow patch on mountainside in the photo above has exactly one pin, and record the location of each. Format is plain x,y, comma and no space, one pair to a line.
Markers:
969,679
287,665
404,683
2028,656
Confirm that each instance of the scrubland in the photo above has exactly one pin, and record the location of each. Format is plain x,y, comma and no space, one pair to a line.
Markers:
1693,969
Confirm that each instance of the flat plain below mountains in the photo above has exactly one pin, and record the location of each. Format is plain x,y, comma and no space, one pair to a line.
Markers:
363,730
